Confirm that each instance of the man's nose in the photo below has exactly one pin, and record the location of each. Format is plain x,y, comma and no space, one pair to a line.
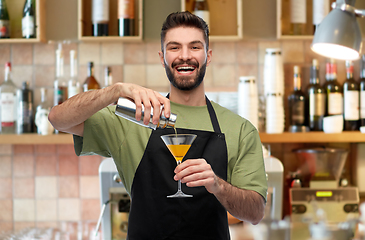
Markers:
185,53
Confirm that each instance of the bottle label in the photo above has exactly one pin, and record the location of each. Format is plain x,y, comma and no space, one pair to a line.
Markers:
298,113
73,90
362,104
320,10
7,109
351,105
126,9
298,11
335,104
316,104
203,14
28,26
4,28
100,11
25,113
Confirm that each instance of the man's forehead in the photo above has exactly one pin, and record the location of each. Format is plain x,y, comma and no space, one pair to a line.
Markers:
184,35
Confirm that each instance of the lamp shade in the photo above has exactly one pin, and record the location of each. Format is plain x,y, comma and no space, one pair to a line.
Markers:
338,36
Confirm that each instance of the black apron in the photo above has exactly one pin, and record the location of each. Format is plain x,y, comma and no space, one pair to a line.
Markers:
153,215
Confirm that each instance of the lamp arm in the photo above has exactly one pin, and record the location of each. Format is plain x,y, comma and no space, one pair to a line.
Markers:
348,8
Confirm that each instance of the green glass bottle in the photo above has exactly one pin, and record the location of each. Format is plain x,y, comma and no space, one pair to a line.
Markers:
4,20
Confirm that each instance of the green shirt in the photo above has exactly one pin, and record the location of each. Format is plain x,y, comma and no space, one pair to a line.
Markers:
109,135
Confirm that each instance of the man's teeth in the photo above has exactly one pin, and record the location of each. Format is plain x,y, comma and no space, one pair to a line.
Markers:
185,68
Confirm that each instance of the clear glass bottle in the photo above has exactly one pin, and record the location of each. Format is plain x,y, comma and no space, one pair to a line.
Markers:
108,78
28,20
90,83
351,94
25,109
60,83
201,9
320,10
8,103
4,20
297,101
44,127
73,84
316,99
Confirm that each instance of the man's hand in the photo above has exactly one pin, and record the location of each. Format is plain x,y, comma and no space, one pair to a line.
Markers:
243,204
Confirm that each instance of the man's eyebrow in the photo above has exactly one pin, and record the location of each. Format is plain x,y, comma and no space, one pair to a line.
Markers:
173,43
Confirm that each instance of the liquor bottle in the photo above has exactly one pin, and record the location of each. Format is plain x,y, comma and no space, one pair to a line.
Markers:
100,17
201,9
126,17
362,90
298,17
73,84
28,20
90,83
108,78
8,103
296,101
320,10
334,94
25,109
44,127
350,100
60,84
4,20
316,99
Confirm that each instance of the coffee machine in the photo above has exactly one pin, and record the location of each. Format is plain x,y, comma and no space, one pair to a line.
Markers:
322,167
115,202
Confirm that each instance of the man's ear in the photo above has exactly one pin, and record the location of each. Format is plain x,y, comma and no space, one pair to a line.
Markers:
162,59
209,56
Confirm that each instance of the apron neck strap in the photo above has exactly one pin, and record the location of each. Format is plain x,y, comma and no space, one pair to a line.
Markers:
213,116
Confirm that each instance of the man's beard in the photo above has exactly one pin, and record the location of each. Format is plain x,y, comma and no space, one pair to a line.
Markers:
184,82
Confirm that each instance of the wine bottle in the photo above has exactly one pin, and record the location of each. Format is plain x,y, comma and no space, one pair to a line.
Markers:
73,87
25,109
298,17
316,99
362,90
100,17
90,83
60,83
334,93
350,100
8,103
28,20
126,17
201,9
320,10
4,20
297,101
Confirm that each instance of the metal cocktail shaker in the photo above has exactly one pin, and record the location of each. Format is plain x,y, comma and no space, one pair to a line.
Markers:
127,109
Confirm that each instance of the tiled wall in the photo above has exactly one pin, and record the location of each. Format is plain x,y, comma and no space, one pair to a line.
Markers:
43,185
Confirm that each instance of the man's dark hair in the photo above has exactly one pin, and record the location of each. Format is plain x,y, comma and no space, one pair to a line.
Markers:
185,19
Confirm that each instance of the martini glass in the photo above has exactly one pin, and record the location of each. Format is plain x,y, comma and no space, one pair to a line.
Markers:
178,144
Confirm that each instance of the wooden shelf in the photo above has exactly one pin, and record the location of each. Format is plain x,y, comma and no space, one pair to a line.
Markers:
15,8
310,137
313,137
85,24
33,138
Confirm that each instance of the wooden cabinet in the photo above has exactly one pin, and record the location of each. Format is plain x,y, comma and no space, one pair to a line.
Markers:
225,18
85,24
15,9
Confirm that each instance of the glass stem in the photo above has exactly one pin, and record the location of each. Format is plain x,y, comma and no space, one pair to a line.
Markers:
179,181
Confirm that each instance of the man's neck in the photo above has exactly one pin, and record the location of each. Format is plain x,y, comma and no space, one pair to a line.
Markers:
195,97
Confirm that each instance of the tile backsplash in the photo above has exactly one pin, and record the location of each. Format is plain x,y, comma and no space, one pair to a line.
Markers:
44,185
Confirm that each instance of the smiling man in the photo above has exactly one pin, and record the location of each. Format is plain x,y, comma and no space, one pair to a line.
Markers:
223,169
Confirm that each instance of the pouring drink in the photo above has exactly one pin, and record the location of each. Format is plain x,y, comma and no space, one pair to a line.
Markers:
178,144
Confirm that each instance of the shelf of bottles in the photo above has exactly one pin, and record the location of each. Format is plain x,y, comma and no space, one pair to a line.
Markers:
110,21
225,18
15,10
297,19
